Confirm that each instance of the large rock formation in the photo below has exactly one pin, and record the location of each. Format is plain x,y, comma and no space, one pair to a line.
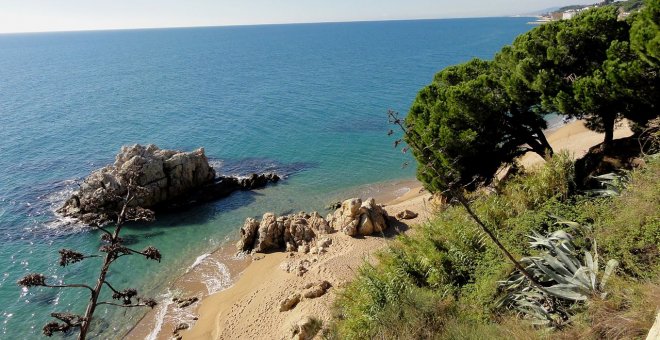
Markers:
300,232
159,177
295,232
355,218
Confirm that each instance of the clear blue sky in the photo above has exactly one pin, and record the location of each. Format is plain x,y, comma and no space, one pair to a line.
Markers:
64,15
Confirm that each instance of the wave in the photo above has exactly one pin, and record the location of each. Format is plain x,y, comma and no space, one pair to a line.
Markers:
217,278
198,261
163,306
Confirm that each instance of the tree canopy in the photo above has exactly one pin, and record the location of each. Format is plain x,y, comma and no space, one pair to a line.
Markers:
475,116
645,33
469,126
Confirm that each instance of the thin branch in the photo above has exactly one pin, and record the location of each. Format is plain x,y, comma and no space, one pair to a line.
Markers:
72,285
120,305
110,286
104,230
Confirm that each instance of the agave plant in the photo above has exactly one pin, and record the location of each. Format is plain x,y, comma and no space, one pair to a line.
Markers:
611,184
567,279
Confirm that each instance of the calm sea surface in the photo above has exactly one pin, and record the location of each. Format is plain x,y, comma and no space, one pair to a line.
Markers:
308,101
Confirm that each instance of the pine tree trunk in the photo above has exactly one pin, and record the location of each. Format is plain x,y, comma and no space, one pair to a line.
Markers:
608,125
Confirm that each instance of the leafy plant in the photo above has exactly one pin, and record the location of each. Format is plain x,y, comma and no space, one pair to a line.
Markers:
612,184
566,279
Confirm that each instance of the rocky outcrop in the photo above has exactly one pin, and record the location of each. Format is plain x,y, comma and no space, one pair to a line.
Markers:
301,232
160,178
355,217
295,232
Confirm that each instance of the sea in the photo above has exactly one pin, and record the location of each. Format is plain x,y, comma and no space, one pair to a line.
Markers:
307,101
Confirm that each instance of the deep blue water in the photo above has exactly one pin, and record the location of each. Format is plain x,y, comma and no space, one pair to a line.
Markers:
306,100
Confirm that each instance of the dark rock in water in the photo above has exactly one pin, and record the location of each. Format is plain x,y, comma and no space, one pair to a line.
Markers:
220,187
165,178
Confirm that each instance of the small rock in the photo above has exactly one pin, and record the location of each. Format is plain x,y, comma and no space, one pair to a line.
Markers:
317,290
324,242
181,327
185,302
303,249
289,303
406,215
638,162
305,329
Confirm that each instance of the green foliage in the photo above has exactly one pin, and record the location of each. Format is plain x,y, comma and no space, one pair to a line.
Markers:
628,227
577,67
566,278
645,33
612,184
631,5
441,280
464,126
374,305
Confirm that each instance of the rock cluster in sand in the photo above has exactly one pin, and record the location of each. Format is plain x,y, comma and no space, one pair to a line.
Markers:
355,217
301,232
295,232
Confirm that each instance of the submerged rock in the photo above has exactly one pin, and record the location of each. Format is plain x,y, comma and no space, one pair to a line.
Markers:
163,178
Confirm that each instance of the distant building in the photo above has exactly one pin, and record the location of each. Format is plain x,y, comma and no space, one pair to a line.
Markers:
568,14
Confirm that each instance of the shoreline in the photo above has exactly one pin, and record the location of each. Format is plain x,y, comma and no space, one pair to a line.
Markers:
256,295
191,283
258,286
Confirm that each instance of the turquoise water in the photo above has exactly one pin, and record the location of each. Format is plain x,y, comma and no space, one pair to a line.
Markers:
308,101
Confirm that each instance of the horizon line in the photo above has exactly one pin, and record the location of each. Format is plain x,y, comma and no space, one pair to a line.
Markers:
260,24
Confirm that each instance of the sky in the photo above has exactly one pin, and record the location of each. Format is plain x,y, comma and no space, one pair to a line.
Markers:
74,15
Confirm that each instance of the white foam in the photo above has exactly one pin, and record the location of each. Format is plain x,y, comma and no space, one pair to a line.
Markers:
216,164
198,261
160,315
218,279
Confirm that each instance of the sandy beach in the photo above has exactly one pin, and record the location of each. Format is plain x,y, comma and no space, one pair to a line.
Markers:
575,138
250,307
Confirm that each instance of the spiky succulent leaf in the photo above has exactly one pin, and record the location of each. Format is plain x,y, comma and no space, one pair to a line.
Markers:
568,292
609,269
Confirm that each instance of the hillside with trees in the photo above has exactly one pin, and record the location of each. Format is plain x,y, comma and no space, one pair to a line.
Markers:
544,252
